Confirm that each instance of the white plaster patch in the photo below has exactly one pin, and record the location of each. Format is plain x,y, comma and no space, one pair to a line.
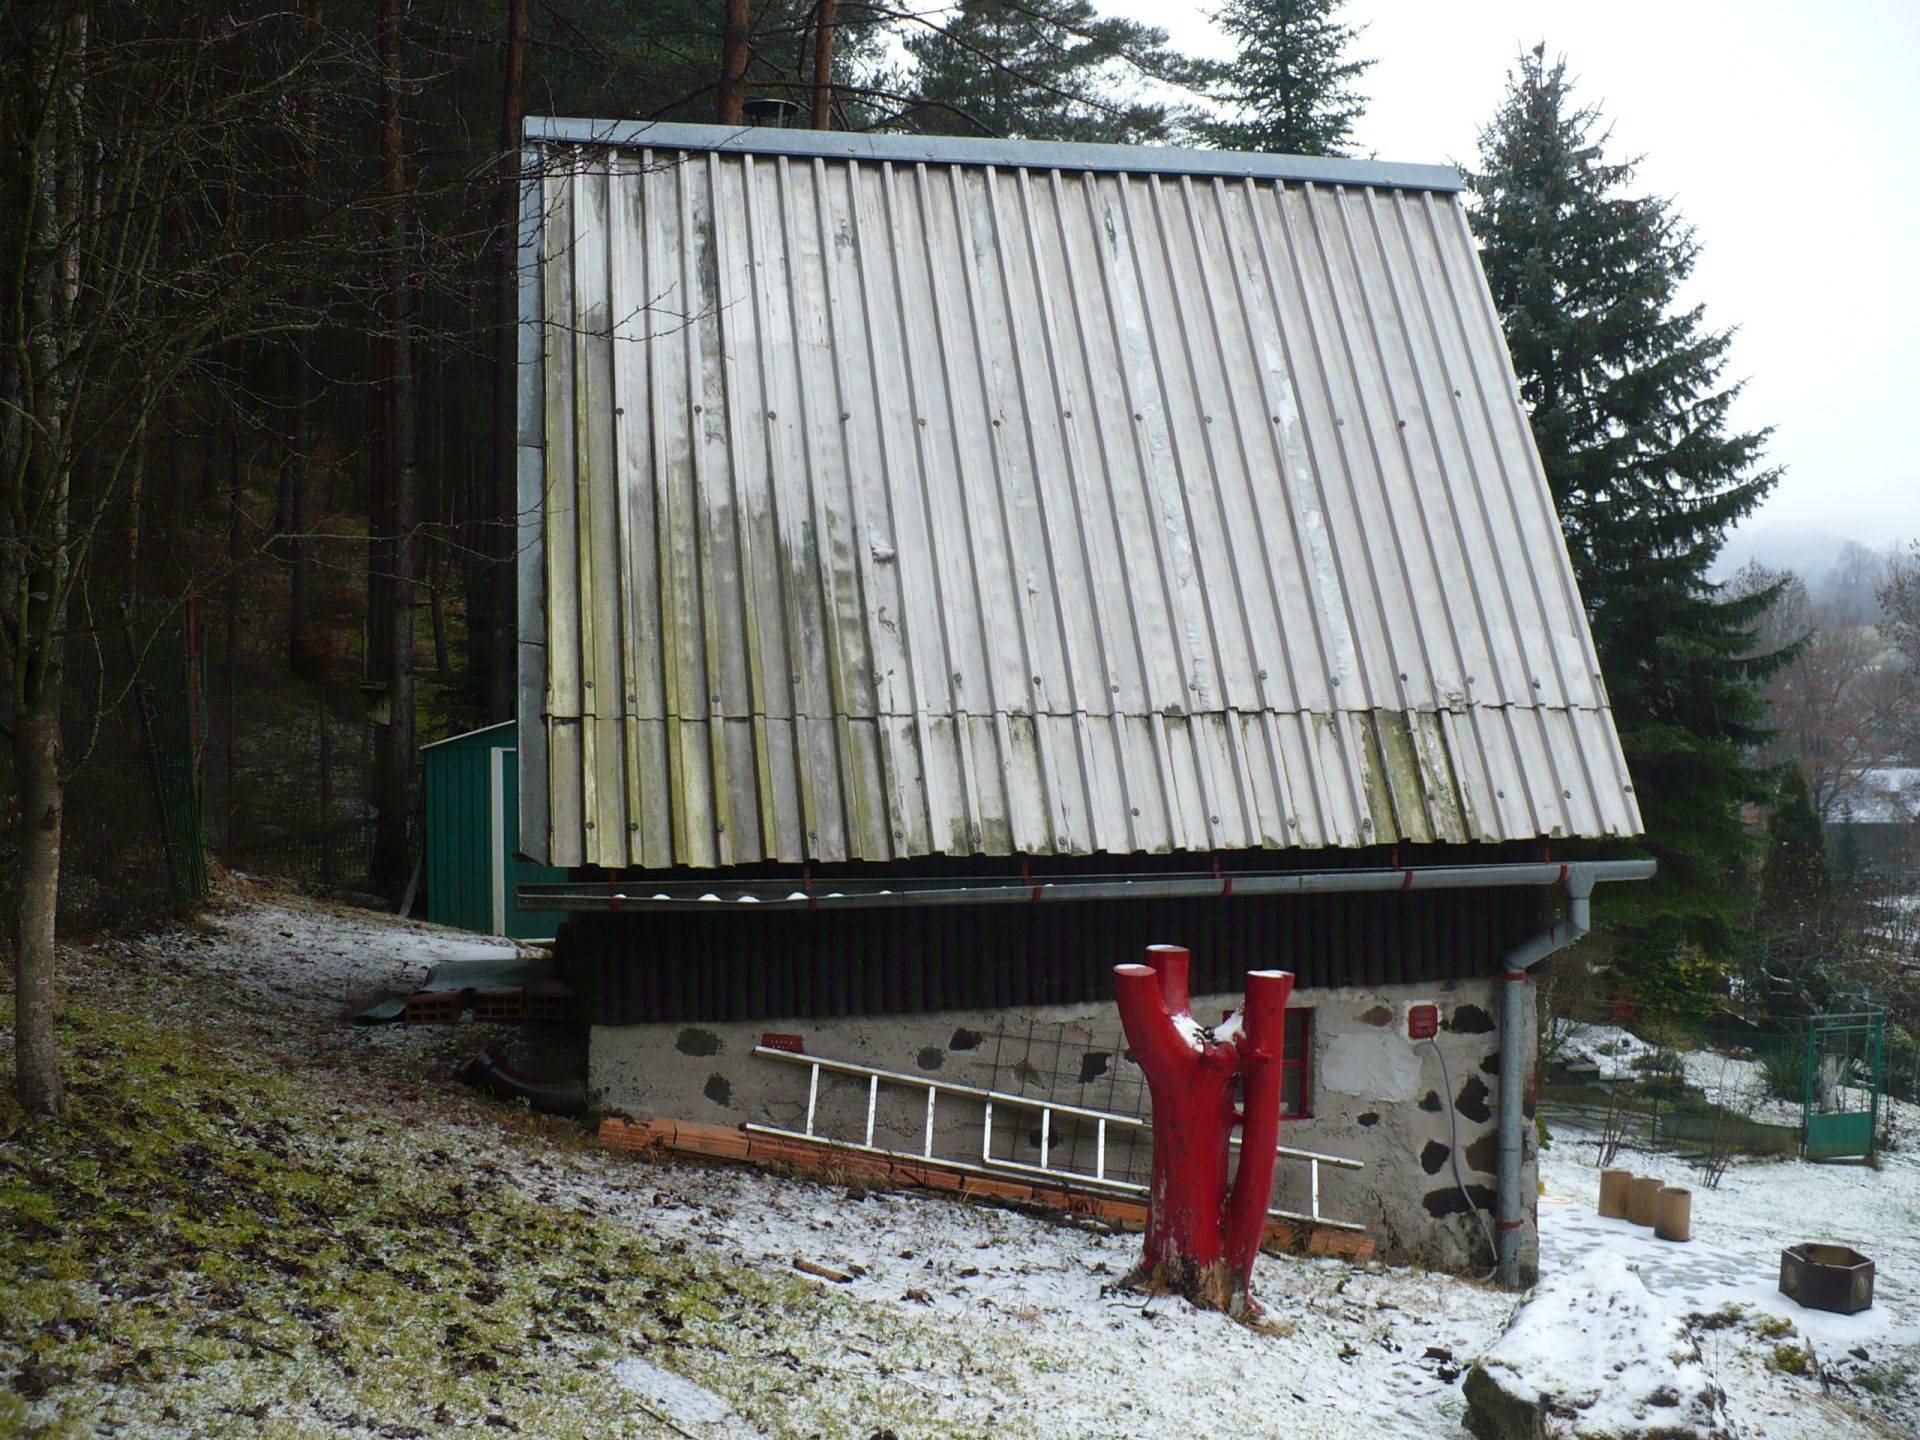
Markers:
1377,1064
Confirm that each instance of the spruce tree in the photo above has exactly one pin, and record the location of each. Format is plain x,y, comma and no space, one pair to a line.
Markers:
1625,387
1043,70
1289,88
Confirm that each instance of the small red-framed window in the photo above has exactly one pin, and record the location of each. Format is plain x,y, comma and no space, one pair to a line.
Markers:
1296,1090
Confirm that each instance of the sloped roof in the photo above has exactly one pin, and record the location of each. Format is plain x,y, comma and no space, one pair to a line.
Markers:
888,497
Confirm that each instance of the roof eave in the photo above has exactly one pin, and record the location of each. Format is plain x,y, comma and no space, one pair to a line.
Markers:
967,150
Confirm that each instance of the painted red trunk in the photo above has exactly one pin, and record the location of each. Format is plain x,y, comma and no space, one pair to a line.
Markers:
1202,1232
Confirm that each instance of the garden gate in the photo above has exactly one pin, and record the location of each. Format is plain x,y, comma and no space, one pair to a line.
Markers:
1841,1099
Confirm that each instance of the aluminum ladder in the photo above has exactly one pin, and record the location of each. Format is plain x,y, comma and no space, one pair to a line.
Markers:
990,1164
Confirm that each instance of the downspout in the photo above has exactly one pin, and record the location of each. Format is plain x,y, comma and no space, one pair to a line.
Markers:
1509,1210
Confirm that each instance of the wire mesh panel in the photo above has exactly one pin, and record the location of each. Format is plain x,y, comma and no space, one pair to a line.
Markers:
1072,1063
171,702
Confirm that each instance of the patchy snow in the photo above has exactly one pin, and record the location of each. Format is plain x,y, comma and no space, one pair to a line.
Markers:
1345,1347
1616,1053
1736,1082
677,1398
1601,1350
301,957
966,1320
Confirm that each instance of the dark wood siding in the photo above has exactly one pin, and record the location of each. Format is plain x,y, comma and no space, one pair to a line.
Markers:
736,965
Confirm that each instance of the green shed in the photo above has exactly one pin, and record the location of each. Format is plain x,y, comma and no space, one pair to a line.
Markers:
473,828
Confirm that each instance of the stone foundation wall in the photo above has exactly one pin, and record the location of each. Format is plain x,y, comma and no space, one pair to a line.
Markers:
1374,1096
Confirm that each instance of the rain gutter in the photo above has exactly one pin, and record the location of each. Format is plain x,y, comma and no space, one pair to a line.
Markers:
615,894
1509,1210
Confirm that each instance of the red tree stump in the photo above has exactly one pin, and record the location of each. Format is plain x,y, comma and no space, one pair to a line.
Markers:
1202,1232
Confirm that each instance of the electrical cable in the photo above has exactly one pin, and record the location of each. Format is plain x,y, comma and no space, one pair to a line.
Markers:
1453,1152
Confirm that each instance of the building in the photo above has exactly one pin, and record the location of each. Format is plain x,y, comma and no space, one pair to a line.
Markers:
473,868
1876,830
950,565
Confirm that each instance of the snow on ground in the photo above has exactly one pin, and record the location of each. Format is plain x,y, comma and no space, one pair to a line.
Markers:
1735,1082
1003,1323
1594,1340
1739,1231
304,957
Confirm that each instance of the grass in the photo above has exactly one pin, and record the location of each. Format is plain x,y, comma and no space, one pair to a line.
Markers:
211,1243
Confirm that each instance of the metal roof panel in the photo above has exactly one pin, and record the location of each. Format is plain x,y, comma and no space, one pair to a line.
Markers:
904,499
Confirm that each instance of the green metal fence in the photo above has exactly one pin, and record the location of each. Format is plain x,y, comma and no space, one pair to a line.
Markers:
1843,1081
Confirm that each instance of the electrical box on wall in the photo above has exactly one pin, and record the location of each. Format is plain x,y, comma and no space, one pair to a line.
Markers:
1423,1021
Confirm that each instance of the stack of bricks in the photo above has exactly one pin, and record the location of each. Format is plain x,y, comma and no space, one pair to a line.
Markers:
726,1143
436,1007
546,1000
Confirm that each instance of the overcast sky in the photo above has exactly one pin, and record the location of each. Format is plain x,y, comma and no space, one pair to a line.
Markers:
1787,133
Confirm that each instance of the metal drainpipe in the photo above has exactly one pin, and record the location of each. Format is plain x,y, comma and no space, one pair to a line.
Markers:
1509,1213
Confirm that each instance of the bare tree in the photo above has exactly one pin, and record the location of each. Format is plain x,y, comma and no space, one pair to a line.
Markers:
1822,698
297,461
1899,596
126,263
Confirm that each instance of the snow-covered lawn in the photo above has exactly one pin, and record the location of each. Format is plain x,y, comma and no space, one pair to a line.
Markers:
1733,1260
622,1296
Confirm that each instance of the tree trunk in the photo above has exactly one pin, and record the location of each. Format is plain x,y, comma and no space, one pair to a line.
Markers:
36,768
823,64
394,757
503,594
1202,1234
38,557
733,64
298,477
236,484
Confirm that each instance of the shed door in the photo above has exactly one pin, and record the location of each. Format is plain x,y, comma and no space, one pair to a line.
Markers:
507,872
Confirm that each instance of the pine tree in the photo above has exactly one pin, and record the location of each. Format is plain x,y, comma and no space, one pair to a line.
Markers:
1630,410
1290,85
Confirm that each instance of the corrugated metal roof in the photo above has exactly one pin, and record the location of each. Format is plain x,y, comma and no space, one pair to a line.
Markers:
880,508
